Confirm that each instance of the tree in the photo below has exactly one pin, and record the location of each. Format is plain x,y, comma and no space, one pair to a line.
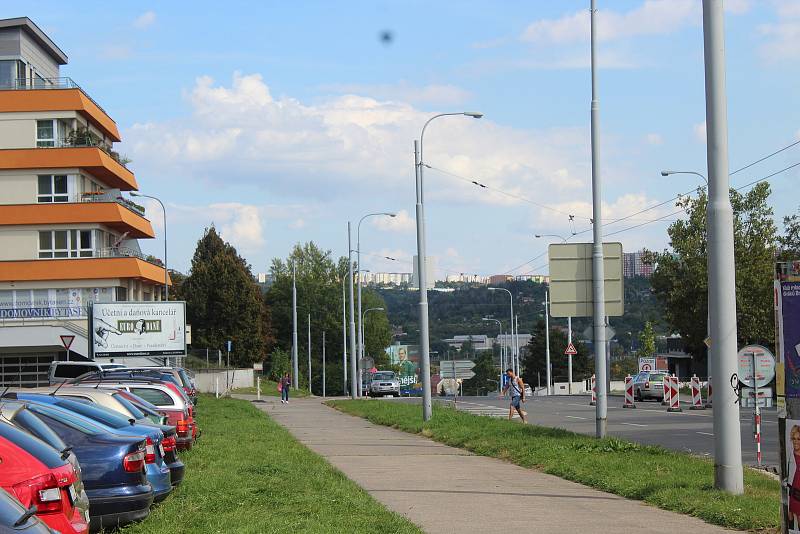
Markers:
680,280
486,375
534,361
790,240
223,301
647,341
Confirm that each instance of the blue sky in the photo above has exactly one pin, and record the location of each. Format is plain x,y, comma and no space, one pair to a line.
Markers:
279,121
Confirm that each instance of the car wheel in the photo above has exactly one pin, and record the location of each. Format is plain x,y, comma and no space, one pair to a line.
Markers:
637,396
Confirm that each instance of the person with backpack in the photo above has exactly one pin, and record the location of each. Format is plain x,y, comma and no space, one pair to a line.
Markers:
516,389
283,386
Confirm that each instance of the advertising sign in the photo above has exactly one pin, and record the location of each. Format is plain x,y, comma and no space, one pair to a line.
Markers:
790,336
138,328
790,467
764,370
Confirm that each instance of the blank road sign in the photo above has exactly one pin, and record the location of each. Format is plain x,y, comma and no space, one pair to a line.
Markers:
571,279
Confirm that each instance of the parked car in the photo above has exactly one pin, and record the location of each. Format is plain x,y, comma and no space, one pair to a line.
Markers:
649,385
61,371
37,475
112,466
181,376
158,473
15,413
16,518
183,442
384,383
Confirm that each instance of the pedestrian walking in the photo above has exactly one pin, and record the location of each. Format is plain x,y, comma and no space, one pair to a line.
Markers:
283,386
516,389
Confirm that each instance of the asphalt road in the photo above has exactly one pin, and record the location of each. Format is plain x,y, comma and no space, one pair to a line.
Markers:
689,431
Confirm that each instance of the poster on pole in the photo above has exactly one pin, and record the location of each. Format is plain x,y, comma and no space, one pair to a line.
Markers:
138,328
792,503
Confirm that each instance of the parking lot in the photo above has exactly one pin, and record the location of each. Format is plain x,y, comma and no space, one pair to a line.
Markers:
688,431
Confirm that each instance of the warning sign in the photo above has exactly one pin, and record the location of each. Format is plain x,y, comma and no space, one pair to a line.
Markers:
67,341
571,350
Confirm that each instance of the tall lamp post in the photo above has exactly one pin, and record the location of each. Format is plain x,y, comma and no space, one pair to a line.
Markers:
354,388
344,338
502,349
422,277
166,275
514,362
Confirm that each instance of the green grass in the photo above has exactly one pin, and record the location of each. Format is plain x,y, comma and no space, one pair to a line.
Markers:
666,479
249,475
270,389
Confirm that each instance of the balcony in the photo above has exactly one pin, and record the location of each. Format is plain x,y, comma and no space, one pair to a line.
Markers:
56,94
91,158
107,196
109,213
114,267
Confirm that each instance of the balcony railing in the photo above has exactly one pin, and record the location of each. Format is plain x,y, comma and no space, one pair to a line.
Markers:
46,83
78,140
105,196
126,252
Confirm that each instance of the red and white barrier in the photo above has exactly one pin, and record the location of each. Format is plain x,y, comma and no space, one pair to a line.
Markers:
697,395
757,436
629,393
666,400
708,398
593,402
674,395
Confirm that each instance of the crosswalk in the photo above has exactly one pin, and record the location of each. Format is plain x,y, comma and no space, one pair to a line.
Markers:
476,408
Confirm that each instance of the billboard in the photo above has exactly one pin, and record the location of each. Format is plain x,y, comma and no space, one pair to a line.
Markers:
138,328
571,273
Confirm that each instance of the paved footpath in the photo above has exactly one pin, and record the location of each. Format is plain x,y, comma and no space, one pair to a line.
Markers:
448,490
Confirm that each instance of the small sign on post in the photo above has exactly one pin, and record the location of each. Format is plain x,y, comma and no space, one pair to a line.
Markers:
67,340
571,350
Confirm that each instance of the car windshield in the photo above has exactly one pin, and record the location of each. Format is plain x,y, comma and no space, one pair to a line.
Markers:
67,418
656,378
135,412
383,376
107,417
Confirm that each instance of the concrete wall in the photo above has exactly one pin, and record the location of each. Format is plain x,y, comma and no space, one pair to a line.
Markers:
561,388
19,244
235,378
17,133
19,187
45,66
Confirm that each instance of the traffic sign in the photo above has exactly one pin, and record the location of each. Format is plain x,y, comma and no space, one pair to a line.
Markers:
647,364
67,341
764,370
588,333
462,374
456,369
571,350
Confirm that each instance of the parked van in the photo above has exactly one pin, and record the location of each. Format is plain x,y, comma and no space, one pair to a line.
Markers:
61,371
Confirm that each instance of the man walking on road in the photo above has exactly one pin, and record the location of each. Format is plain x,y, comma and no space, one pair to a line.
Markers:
517,391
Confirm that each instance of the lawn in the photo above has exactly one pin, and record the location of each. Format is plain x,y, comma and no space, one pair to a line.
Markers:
667,479
270,389
249,475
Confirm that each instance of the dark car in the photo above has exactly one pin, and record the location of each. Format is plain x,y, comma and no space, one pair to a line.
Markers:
158,473
16,518
112,465
183,440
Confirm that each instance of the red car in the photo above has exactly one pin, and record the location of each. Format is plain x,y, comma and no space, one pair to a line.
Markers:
38,475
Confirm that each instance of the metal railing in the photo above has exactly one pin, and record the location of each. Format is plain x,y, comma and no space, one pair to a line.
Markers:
46,83
87,142
119,252
105,196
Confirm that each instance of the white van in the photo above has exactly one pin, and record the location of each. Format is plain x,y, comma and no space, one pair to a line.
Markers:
62,371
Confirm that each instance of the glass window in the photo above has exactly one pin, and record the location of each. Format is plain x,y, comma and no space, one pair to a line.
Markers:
8,73
41,298
100,415
53,188
154,396
60,239
6,299
35,426
39,82
86,250
45,186
45,133
24,300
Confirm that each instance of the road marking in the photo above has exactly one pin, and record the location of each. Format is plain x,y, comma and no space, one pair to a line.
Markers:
705,434
575,417
633,424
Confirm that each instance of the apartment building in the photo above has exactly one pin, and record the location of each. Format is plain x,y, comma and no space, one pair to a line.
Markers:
68,234
636,264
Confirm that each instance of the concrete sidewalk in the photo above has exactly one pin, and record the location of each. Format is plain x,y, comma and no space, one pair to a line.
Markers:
448,490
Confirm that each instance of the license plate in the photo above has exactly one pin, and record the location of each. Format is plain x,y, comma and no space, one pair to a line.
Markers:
161,449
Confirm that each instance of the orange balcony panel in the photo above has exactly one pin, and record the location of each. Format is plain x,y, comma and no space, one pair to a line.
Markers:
59,100
81,269
108,213
92,159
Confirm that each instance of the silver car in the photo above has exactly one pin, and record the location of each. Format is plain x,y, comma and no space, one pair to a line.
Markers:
649,385
384,383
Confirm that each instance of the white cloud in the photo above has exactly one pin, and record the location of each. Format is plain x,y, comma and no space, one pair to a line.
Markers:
699,131
782,38
653,139
145,20
402,91
401,222
297,224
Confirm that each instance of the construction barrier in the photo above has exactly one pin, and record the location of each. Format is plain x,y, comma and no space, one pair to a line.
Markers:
757,436
629,393
708,397
593,402
666,400
674,395
697,395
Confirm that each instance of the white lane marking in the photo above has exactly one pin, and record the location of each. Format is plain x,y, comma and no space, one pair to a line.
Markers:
704,433
633,424
575,417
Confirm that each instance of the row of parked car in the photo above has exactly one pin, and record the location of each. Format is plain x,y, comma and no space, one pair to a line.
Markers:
95,451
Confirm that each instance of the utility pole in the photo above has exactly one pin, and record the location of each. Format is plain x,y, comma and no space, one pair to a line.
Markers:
728,475
569,356
422,279
344,340
598,274
295,372
547,338
323,364
309,353
516,334
354,386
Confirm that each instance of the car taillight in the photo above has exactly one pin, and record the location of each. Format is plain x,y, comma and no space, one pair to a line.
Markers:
182,427
42,492
169,443
150,452
134,461
647,385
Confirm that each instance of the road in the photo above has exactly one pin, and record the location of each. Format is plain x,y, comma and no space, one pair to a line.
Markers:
688,431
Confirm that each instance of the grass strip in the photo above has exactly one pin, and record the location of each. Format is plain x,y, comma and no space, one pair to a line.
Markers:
247,474
667,479
270,389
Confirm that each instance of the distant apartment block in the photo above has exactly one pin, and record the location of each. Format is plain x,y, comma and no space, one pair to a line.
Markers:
464,278
497,279
633,264
538,278
386,279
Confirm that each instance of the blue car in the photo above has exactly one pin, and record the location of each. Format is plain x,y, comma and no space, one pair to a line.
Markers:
158,473
112,466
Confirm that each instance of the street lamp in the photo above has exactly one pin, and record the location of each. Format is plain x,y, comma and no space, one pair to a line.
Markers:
514,353
358,273
502,347
166,275
667,173
422,277
563,239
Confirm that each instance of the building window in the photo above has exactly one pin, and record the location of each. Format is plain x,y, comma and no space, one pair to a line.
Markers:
53,188
46,133
65,244
121,294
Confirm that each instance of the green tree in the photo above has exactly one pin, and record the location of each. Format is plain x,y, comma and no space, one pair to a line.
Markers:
790,240
647,341
680,279
486,375
223,301
534,362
